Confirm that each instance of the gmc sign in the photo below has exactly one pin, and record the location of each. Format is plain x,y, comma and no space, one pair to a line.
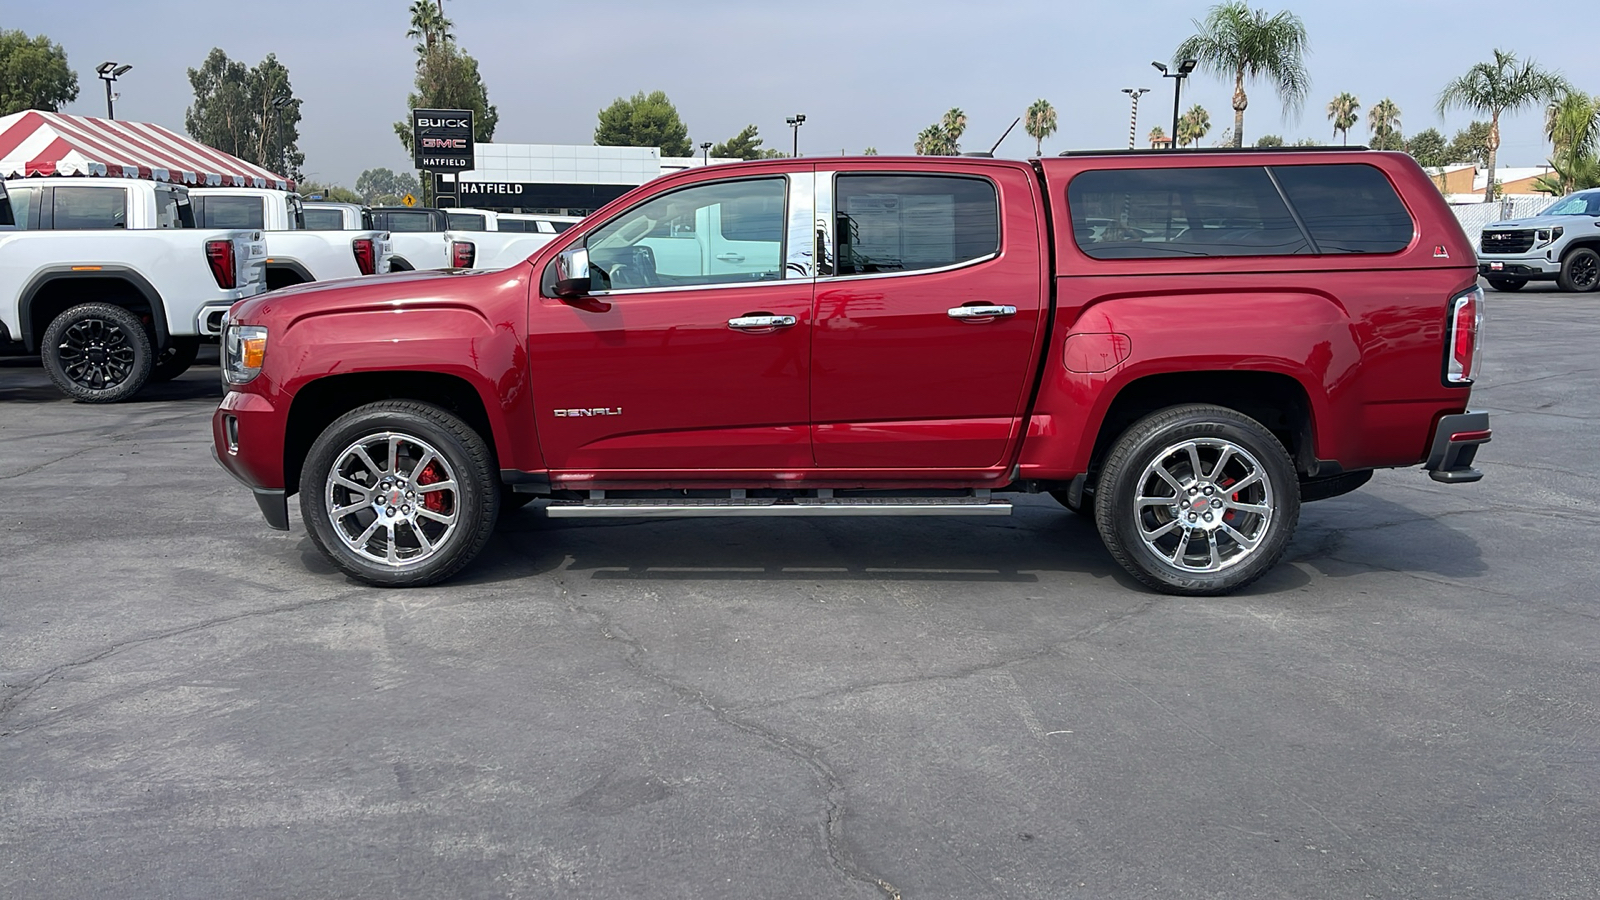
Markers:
442,139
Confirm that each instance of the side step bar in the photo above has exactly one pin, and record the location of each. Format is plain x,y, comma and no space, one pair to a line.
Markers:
798,506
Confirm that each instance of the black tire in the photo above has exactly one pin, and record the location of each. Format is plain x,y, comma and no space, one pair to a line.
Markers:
176,359
1508,284
1264,502
418,548
1580,271
97,353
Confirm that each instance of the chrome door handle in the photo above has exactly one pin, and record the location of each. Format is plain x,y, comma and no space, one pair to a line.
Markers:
731,257
981,312
763,321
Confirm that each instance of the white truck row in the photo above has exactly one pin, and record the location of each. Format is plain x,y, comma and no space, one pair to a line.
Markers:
116,281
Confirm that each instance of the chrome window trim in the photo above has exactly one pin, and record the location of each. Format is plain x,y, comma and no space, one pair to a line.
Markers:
824,239
828,189
679,288
798,240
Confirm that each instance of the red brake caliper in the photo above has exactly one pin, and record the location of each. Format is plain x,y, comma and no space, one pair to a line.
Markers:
432,500
1228,516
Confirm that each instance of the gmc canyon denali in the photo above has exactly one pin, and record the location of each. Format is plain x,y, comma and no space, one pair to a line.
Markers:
1182,346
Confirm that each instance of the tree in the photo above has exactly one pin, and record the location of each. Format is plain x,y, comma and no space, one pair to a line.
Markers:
744,145
1572,124
447,78
870,151
329,192
429,24
1039,123
1500,87
954,124
378,185
1158,136
644,120
251,113
1307,142
1193,125
1342,112
943,138
1470,145
1269,140
33,74
1428,148
1384,120
1247,44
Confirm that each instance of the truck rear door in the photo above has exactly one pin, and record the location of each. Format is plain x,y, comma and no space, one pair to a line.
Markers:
927,325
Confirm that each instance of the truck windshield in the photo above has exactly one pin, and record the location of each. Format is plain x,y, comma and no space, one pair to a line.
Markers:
1575,205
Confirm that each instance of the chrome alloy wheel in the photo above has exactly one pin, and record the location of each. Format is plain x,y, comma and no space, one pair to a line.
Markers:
1204,505
96,353
392,499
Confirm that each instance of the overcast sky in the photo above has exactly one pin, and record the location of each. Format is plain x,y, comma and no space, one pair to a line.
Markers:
865,73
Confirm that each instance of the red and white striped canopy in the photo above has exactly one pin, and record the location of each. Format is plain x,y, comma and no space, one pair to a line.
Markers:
47,143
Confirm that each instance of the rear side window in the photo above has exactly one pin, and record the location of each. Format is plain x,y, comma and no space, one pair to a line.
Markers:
173,209
324,220
24,207
1347,208
409,221
1164,213
906,223
90,208
559,227
468,222
516,225
232,212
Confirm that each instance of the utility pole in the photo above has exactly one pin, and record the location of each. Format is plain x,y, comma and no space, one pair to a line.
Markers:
110,72
795,121
1133,118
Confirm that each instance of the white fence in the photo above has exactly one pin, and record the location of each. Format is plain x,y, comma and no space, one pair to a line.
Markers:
1473,216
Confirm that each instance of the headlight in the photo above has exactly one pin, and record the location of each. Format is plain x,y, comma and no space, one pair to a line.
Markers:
1546,236
244,349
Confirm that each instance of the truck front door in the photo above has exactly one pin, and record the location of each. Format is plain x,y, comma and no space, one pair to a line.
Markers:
927,329
678,363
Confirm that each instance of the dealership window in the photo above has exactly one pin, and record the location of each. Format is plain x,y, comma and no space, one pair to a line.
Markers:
906,223
1161,213
728,232
231,212
90,208
1347,208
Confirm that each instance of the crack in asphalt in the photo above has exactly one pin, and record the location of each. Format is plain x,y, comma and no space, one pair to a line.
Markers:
117,438
809,756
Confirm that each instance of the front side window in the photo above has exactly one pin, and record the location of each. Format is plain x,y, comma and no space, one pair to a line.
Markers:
1166,213
729,232
905,223
90,208
232,212
296,209
1347,208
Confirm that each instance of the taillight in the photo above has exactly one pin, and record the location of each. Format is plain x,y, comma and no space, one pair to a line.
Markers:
1463,348
366,256
462,254
220,255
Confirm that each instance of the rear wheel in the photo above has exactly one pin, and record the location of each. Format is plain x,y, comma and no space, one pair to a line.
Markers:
1508,284
399,494
176,359
97,353
1580,271
1197,500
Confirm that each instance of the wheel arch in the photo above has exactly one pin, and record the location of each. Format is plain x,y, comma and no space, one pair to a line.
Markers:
283,273
55,289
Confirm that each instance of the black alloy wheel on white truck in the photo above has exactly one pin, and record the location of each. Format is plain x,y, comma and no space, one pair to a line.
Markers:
1580,271
97,353
1198,500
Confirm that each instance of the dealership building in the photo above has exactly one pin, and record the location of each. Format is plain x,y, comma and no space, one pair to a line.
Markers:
554,178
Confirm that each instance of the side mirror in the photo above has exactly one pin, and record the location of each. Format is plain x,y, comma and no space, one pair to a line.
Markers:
572,273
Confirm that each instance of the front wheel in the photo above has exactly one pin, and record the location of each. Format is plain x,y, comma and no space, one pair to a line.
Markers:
97,353
399,494
1197,500
1580,271
176,359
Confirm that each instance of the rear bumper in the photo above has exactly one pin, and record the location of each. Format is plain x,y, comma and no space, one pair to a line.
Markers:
1455,443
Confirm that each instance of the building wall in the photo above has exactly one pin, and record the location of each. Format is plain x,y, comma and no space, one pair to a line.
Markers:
564,178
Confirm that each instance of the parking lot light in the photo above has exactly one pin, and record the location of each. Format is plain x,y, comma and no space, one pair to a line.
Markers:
109,72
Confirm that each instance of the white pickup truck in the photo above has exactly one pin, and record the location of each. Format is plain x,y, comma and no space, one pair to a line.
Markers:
424,238
295,255
463,218
109,280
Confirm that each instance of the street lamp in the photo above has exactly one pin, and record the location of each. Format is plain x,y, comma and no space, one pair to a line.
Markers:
795,121
109,72
705,154
1133,118
1184,68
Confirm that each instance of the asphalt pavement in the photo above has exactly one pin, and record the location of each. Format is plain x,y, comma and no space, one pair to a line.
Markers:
195,706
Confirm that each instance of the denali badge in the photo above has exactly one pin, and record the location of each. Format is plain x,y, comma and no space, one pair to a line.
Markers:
597,411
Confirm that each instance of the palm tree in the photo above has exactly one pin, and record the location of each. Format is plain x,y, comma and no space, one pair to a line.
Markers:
1193,125
1247,44
1040,123
1342,110
1384,120
1572,124
428,22
932,142
954,125
1500,87
1158,136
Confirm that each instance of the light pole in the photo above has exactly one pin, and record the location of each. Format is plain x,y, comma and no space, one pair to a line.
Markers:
795,121
1133,117
705,154
1184,68
109,72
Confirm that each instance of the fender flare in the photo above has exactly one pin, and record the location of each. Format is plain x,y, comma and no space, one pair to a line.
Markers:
51,274
292,265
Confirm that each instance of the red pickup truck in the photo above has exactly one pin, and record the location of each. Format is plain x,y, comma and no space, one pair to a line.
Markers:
1183,345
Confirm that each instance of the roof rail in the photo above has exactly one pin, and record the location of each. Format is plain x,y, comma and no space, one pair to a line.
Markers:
1320,148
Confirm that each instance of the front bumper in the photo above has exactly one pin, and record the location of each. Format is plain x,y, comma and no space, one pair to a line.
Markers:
1455,443
247,440
1533,266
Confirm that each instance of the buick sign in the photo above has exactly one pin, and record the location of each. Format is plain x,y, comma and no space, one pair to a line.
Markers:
442,139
